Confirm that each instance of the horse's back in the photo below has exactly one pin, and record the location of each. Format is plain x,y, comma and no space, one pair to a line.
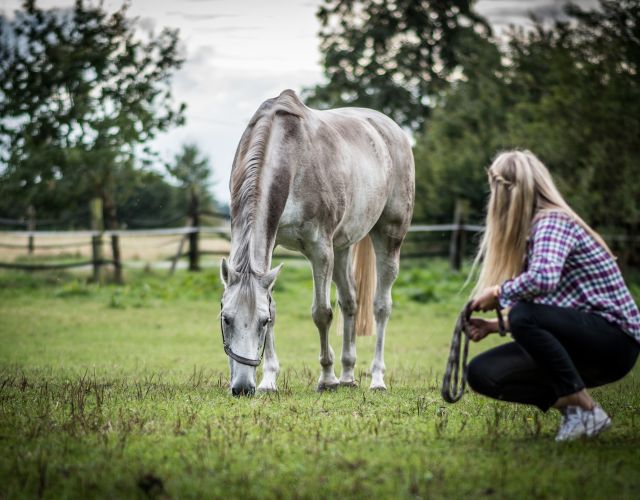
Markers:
396,215
354,168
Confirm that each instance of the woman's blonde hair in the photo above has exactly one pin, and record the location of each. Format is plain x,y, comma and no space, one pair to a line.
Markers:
521,191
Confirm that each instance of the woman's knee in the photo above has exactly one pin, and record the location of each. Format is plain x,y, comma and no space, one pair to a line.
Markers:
521,317
477,376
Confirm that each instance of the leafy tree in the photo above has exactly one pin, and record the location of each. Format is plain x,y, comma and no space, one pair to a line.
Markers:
394,56
81,93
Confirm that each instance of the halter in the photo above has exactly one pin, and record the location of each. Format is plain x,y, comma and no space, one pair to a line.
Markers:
236,357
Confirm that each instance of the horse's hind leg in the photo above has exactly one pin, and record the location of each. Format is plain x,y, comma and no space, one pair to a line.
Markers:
387,250
321,258
343,278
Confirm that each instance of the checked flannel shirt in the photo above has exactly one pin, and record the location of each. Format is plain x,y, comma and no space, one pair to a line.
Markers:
566,267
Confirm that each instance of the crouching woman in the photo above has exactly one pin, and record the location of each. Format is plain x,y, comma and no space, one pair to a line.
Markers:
571,316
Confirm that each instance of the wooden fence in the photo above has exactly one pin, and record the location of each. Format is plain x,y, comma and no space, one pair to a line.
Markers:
190,237
423,240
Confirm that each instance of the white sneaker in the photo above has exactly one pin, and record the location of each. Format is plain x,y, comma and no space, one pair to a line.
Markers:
572,426
578,422
595,420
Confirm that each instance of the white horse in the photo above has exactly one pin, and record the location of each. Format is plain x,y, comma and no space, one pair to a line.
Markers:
318,182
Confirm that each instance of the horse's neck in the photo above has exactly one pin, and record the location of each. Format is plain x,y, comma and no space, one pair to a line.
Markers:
250,249
255,235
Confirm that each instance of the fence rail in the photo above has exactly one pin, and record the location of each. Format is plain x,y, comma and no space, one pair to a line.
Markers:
419,244
94,239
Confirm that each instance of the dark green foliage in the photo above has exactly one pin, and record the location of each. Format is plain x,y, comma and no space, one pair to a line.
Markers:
465,130
578,107
192,171
570,93
391,56
151,202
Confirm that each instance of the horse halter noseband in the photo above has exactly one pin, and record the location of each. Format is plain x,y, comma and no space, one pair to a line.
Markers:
236,357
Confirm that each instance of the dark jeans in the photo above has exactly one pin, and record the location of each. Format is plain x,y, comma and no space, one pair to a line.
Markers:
557,351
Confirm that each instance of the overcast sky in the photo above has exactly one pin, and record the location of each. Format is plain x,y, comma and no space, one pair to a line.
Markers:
241,52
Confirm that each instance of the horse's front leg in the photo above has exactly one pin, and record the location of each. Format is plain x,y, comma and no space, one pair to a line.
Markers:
322,262
271,366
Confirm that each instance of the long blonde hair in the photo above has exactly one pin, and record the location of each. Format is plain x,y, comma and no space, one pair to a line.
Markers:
521,191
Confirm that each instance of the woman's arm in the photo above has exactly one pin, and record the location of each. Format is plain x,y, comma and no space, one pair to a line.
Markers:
553,238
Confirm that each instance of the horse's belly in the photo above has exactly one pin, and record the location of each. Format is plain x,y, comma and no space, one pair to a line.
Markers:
365,202
353,215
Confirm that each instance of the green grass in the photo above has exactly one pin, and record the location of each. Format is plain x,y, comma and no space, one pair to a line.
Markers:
117,392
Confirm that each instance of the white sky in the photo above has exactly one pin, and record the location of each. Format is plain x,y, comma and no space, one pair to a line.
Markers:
241,52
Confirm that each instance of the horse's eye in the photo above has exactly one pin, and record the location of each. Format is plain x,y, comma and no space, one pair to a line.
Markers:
226,319
265,322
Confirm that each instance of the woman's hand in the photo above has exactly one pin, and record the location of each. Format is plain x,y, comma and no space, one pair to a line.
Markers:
487,300
480,328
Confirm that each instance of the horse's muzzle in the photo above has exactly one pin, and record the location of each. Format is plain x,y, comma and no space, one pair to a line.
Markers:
243,390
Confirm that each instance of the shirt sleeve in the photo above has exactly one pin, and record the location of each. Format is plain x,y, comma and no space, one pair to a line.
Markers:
552,239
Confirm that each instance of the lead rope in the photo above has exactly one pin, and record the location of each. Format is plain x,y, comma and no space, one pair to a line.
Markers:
453,385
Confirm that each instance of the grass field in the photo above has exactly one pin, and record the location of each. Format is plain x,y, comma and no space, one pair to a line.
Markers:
121,392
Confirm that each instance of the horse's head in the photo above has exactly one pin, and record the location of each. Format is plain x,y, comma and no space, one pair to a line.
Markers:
246,315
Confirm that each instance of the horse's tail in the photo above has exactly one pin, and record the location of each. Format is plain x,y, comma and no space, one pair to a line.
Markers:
364,266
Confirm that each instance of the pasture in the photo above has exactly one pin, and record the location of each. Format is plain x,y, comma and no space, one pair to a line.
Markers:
122,392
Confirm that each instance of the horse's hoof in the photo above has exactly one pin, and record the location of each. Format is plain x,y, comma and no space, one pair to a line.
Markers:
378,387
349,383
322,387
267,389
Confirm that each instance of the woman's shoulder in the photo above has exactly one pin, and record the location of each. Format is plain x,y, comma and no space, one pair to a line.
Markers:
550,220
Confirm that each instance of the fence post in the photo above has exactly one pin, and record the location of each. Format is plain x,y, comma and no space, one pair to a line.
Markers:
31,226
194,254
178,254
458,240
97,224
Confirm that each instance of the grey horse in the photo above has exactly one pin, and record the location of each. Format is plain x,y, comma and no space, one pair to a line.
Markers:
329,184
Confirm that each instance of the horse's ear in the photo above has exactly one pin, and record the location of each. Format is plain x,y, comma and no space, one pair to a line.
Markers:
226,273
269,279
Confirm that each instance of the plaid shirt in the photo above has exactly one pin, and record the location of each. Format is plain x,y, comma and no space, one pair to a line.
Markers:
566,267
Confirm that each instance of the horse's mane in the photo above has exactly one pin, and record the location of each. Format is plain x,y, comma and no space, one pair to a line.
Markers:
247,169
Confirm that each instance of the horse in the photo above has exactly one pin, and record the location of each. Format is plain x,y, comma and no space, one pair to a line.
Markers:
329,184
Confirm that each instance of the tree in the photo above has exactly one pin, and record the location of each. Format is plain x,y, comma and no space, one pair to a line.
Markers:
191,169
393,56
81,93
193,172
